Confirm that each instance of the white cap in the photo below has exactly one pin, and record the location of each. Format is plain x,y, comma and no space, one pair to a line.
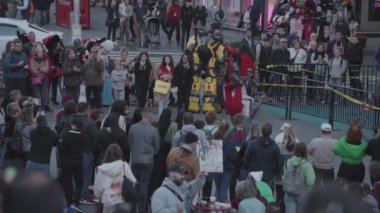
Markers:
284,126
326,127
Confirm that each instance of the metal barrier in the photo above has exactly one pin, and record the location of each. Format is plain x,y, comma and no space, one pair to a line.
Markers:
309,89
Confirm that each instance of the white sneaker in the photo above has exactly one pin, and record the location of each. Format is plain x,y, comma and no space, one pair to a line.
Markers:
76,208
114,43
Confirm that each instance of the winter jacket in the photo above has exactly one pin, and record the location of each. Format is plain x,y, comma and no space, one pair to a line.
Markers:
39,67
10,64
42,141
305,166
265,191
163,70
355,54
187,15
113,17
251,204
144,142
72,78
337,67
24,129
143,75
162,7
263,154
200,15
231,146
72,147
106,138
280,56
320,152
118,79
373,149
174,13
91,131
183,78
180,134
165,201
185,157
351,154
109,180
94,72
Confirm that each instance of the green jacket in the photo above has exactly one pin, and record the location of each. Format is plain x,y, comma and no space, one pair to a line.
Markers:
265,191
350,153
306,167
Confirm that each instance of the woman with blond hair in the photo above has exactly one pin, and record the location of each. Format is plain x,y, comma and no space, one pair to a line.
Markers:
109,180
39,68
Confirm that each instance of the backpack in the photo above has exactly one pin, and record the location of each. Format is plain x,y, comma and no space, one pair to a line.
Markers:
181,139
294,181
17,139
209,135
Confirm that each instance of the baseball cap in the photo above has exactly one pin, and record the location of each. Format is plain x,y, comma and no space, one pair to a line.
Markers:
176,168
326,127
284,126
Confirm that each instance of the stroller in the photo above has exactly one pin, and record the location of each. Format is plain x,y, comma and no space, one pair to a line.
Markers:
153,32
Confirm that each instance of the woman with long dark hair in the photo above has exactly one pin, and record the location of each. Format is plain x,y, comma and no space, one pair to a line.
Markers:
113,18
175,126
143,74
183,80
109,180
352,150
165,73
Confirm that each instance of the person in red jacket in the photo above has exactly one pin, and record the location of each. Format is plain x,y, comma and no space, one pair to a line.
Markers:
165,73
174,19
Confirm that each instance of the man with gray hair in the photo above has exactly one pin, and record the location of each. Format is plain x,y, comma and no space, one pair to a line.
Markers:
93,75
321,156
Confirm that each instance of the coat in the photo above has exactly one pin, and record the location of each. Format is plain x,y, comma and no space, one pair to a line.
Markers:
113,17
72,77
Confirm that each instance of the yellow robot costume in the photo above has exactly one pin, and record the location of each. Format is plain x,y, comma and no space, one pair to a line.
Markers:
210,70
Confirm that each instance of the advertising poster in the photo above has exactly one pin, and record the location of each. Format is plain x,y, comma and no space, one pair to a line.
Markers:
210,154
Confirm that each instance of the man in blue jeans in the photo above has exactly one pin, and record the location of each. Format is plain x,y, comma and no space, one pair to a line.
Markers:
144,142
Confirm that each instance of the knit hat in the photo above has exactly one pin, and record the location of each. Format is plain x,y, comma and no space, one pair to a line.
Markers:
191,138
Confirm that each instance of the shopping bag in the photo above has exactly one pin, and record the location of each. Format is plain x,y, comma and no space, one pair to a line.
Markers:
161,87
82,94
53,167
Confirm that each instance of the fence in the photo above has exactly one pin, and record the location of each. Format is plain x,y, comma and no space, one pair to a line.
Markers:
309,89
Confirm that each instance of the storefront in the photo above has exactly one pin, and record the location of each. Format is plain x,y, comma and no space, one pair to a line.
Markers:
368,13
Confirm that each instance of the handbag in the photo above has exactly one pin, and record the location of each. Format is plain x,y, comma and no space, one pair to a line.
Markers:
161,87
129,190
36,80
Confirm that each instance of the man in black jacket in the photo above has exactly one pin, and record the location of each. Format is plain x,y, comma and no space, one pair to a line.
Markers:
264,155
187,15
200,16
355,60
280,57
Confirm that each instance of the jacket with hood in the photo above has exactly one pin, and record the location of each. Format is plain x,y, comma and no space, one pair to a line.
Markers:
42,141
72,147
305,166
231,147
164,201
263,155
320,152
185,157
90,129
106,137
109,180
180,134
350,153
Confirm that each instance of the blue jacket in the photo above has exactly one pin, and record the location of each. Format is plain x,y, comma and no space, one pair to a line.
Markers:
10,65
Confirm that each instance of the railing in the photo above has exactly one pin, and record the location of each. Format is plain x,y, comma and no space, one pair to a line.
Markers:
309,89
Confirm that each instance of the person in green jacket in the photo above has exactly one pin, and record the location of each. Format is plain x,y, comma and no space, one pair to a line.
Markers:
351,149
299,159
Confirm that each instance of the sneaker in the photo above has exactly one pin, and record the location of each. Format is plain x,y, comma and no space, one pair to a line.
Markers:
76,208
115,43
86,201
42,113
47,108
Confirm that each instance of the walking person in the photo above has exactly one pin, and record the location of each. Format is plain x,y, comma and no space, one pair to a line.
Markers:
200,16
144,141
174,19
165,73
72,74
351,149
126,13
24,8
183,80
42,139
109,180
140,13
94,75
187,16
297,167
113,19
321,156
118,82
143,71
39,68
71,151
